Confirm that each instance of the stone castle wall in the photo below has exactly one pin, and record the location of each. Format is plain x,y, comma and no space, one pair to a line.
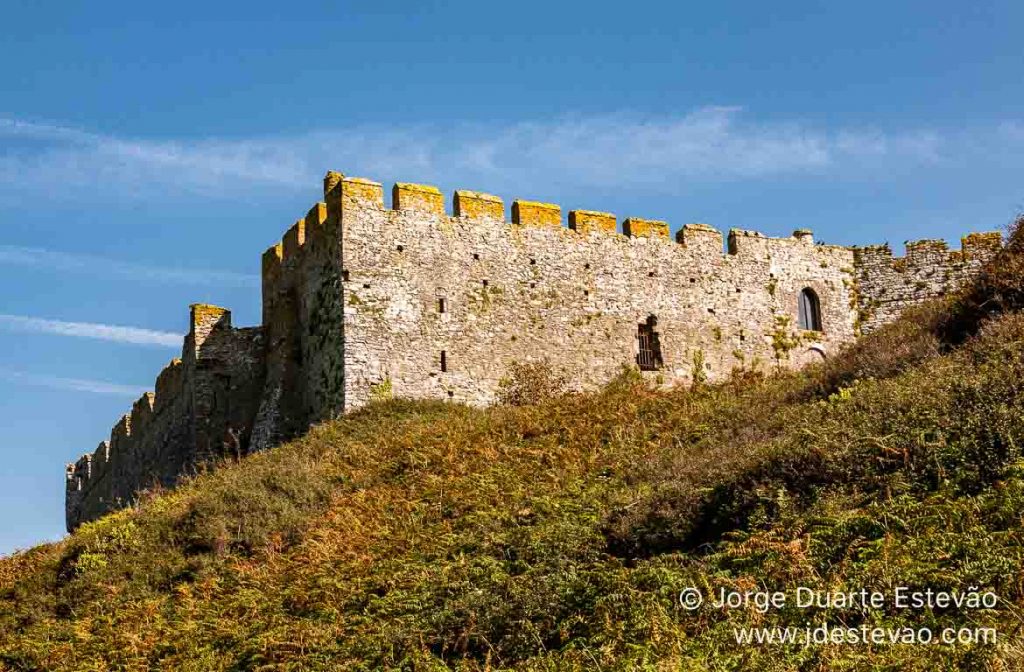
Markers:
202,409
485,292
362,301
889,285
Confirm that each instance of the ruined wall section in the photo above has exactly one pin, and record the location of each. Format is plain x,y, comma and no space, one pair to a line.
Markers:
439,306
889,285
202,409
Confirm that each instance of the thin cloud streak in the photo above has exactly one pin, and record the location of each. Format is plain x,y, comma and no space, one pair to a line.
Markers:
72,384
103,332
34,257
707,144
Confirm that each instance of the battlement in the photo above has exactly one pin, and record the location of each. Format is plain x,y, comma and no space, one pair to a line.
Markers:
888,285
590,221
359,195
158,438
418,198
361,192
142,412
168,385
294,239
534,213
204,319
634,227
973,247
362,300
477,205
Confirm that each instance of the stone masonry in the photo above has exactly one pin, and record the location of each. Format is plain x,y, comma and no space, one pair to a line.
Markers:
363,302
887,285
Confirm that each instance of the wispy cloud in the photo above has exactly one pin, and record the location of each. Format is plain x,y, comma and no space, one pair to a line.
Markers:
1013,130
72,384
34,257
711,143
103,332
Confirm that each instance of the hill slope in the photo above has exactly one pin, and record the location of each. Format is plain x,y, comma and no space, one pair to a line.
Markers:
559,535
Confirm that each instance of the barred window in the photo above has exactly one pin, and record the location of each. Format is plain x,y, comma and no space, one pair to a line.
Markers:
648,356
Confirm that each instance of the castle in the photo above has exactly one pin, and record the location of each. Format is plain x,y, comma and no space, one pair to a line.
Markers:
362,301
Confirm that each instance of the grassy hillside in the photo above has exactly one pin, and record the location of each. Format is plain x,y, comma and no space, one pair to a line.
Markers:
557,536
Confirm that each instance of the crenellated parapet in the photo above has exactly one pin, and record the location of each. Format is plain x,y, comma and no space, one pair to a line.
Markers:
634,227
479,286
365,299
888,285
202,402
535,213
417,197
591,221
478,206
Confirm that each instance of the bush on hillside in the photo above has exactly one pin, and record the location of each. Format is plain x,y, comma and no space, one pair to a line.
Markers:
529,383
997,290
954,423
894,348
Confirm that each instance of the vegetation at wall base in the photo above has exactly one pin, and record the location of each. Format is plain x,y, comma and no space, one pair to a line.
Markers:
558,535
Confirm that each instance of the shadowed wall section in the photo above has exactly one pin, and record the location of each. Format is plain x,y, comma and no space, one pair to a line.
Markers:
202,409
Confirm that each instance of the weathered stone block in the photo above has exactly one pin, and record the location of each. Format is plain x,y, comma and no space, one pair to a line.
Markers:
700,236
587,221
417,198
634,227
294,239
478,205
981,245
359,192
533,213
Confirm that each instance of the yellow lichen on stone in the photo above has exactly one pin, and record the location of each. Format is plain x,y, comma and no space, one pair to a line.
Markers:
332,179
417,197
294,238
985,243
204,314
478,205
926,245
272,258
359,190
202,310
332,194
317,215
634,227
533,213
586,221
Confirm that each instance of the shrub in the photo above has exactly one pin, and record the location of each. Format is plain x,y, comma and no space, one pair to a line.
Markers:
531,383
896,347
998,289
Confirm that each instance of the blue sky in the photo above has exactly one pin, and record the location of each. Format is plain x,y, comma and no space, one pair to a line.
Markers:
150,151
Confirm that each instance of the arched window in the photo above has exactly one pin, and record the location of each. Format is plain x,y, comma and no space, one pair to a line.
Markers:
809,310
